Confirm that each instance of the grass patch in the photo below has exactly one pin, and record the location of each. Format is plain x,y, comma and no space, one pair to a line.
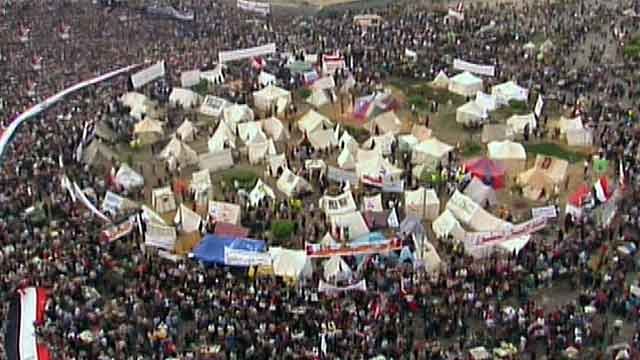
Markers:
471,149
428,93
358,133
245,179
519,107
304,93
550,149
202,88
282,229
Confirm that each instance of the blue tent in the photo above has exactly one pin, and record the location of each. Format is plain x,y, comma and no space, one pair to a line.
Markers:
211,248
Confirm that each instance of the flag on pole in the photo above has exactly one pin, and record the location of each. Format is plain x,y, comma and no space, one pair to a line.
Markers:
602,189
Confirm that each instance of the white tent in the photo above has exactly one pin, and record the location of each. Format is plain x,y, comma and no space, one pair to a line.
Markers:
431,150
261,151
235,114
129,178
328,240
313,121
519,122
272,98
187,131
471,114
221,139
430,258
213,106
319,98
201,186
184,98
407,142
486,101
265,79
508,91
322,139
465,84
378,168
163,200
215,76
341,204
251,132
275,129
496,132
259,192
381,144
580,137
336,269
441,81
446,224
372,203
567,124
422,203
216,161
386,123
178,153
506,150
277,164
346,160
148,130
291,184
347,141
187,220
480,193
224,212
291,263
138,103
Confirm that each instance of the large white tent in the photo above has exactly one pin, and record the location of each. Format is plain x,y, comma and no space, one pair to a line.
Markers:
275,129
137,103
471,114
292,264
323,139
237,113
346,160
336,269
184,98
178,153
519,122
129,178
251,132
508,91
351,223
480,193
272,98
313,121
511,155
430,150
340,204
291,184
422,203
187,131
201,186
386,123
486,101
319,98
216,161
465,84
381,144
148,130
347,141
441,81
261,151
222,138
447,225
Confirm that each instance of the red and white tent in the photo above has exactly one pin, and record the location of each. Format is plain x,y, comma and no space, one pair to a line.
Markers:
26,313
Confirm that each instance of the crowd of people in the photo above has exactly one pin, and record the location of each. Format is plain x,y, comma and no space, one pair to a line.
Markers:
116,301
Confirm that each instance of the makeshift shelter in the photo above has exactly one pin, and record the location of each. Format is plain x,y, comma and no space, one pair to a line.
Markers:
580,137
137,103
274,128
129,178
216,161
187,220
346,160
447,225
347,141
471,114
544,177
313,121
266,79
163,200
378,171
430,258
272,98
406,143
336,269
441,81
481,193
178,153
223,212
496,132
519,122
422,203
213,106
231,251
291,264
97,153
381,144
319,98
236,113
259,192
370,106
431,151
148,131
184,98
340,204
385,123
473,215
465,84
322,139
349,225
222,138
291,184
489,172
421,132
508,91
186,131
511,155
251,132
201,186
486,101
277,165
261,151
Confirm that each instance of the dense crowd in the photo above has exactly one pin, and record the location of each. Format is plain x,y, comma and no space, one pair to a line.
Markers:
116,301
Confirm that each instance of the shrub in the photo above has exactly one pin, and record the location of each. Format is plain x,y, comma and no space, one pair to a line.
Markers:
304,93
282,229
202,88
358,133
246,179
519,107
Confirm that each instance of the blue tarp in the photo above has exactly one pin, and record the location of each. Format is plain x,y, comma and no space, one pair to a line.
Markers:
374,238
211,248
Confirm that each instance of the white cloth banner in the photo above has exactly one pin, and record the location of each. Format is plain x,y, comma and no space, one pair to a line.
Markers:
190,78
548,212
325,287
512,232
83,198
236,257
225,56
262,8
539,105
112,203
160,236
486,70
147,75
38,108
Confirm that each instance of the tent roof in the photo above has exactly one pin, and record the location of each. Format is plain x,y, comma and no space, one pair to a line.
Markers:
388,123
488,171
290,263
179,150
312,121
272,92
274,128
236,113
441,80
506,150
480,193
473,108
184,97
434,147
186,129
466,78
148,125
128,177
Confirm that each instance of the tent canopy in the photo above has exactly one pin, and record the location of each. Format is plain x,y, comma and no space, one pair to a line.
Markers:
487,171
212,248
272,98
465,84
148,125
471,114
184,98
138,103
129,178
431,149
179,152
386,123
322,139
481,193
313,121
235,114
519,122
486,101
291,184
441,81
506,150
508,91
186,131
336,269
221,139
291,263
274,128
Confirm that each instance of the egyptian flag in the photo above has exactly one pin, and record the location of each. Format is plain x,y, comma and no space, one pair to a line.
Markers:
258,63
23,34
26,312
36,62
602,189
63,31
460,7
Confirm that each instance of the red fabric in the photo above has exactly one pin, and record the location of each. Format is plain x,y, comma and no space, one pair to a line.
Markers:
577,198
231,230
43,352
488,171
41,305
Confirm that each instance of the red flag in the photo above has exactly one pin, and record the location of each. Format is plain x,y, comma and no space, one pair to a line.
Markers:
257,63
36,62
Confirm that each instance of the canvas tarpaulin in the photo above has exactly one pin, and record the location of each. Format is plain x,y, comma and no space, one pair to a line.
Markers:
231,251
349,225
290,263
508,91
160,236
261,151
291,184
518,123
465,84
313,121
471,114
422,203
184,98
446,224
187,131
480,193
259,192
187,220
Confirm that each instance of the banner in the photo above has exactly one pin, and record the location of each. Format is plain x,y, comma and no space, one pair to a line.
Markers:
239,257
160,236
339,175
83,199
487,70
190,78
495,237
548,212
537,110
262,8
224,212
325,287
147,75
112,203
331,63
115,232
318,251
225,56
170,12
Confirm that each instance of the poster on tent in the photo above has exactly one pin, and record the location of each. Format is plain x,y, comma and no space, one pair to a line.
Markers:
537,110
486,70
232,55
319,251
224,212
332,63
118,231
145,76
262,8
339,175
515,231
160,236
548,212
245,258
324,287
